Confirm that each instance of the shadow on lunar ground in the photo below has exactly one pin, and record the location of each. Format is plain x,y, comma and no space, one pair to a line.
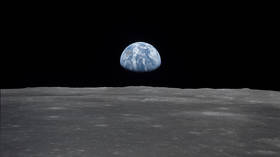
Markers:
139,121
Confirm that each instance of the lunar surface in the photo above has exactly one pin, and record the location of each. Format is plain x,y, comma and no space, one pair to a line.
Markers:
139,122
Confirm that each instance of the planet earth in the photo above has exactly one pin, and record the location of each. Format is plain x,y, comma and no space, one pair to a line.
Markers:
140,57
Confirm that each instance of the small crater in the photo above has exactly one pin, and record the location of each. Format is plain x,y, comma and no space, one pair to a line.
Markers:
116,153
101,118
56,108
195,132
223,108
157,126
53,117
101,125
127,114
264,152
78,129
134,117
28,150
227,114
81,150
255,101
271,141
15,126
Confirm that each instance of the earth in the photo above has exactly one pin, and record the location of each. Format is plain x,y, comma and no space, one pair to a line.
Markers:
140,57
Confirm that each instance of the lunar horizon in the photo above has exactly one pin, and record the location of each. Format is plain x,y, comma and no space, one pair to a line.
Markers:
139,121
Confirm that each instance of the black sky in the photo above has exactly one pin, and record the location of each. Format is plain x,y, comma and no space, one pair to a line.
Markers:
213,48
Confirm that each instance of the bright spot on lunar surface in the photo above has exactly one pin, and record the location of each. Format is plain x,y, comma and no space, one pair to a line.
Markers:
139,122
140,57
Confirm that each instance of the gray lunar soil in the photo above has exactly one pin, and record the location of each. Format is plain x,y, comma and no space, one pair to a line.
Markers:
139,122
